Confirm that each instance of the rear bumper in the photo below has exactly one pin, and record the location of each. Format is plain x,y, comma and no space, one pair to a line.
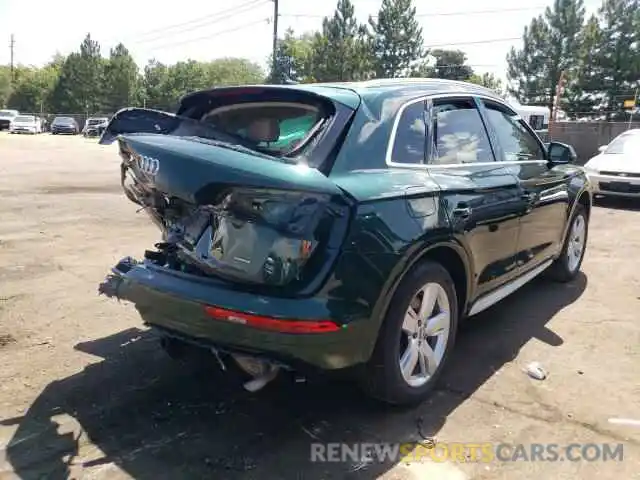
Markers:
615,185
174,302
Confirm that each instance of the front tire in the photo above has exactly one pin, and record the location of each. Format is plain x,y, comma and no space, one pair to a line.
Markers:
416,337
567,265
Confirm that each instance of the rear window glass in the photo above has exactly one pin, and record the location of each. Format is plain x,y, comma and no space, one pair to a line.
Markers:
275,127
63,120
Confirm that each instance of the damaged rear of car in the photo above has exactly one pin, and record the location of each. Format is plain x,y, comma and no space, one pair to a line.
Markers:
251,225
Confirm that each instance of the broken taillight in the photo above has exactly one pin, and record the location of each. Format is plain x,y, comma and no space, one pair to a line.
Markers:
256,235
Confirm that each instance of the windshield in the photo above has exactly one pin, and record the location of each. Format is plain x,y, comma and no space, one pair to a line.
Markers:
7,113
625,143
96,121
25,118
62,120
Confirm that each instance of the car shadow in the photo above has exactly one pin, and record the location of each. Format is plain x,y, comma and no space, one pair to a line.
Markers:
617,203
156,418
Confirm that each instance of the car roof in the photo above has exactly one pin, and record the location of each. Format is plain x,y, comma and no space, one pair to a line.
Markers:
352,93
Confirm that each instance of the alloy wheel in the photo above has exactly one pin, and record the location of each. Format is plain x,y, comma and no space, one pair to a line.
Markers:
425,333
575,246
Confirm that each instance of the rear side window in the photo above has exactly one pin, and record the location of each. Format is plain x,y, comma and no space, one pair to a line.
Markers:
459,136
517,143
410,136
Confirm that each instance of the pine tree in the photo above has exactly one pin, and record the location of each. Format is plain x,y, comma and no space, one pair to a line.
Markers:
551,45
340,51
396,39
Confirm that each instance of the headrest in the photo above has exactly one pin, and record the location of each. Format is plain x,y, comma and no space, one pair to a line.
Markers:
264,130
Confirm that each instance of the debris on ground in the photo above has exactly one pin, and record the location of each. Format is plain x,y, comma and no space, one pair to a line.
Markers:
625,421
536,371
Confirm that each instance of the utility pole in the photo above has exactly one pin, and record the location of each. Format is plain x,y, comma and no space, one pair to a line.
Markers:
556,101
275,37
633,109
12,43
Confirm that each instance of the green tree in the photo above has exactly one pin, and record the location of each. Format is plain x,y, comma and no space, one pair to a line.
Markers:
583,95
233,71
122,81
551,44
80,86
293,59
32,89
451,64
396,39
340,50
182,78
154,78
488,80
618,54
5,85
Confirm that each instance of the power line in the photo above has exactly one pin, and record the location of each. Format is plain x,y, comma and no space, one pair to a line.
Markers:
206,37
438,14
197,23
477,42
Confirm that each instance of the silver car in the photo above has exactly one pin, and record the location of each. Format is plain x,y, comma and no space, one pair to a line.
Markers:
615,170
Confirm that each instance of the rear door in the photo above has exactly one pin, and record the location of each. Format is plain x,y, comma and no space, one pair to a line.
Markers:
481,196
545,190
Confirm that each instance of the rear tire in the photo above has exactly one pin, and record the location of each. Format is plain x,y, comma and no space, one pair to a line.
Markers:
567,265
426,298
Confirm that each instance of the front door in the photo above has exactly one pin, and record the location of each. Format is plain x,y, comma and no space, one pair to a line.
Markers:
545,190
481,196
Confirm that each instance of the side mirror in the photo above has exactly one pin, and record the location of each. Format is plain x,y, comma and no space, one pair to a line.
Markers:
561,153
602,148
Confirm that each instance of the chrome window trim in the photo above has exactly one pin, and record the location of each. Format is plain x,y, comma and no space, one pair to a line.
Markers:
424,166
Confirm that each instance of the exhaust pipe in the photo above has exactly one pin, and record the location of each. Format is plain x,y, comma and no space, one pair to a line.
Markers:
262,371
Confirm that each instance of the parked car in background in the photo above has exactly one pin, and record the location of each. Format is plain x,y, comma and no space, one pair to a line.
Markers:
336,226
94,126
6,116
26,124
615,171
64,125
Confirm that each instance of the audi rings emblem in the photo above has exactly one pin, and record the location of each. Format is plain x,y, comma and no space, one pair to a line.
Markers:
148,165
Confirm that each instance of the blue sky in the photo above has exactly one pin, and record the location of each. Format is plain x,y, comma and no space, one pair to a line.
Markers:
205,29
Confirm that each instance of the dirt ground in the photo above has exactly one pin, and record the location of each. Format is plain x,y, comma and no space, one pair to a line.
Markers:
86,392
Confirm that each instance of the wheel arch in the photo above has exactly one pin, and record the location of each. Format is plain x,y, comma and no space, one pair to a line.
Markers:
583,198
450,255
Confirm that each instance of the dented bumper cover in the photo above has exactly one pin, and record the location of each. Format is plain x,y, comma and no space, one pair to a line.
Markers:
176,302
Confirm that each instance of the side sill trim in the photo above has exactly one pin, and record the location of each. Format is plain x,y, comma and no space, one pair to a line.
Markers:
494,297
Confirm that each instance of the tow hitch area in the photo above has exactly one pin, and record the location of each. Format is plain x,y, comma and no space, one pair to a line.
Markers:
261,371
111,286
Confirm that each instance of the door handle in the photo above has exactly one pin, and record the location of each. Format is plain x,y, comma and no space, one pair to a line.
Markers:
462,212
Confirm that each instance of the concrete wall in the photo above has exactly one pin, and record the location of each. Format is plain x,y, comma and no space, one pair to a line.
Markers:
586,137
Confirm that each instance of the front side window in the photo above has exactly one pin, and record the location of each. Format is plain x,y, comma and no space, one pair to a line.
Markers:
410,136
459,134
517,143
